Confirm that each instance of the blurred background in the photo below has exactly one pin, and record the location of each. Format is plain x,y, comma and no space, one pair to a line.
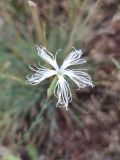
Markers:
31,128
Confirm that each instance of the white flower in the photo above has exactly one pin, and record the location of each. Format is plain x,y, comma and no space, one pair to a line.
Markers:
62,89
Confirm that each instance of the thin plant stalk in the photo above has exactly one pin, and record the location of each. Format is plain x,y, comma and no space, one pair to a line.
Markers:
78,20
39,24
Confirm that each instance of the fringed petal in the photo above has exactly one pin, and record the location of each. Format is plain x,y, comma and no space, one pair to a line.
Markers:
40,75
63,93
82,79
73,59
47,56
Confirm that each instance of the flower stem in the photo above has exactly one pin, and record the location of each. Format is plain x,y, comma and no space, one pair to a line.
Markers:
50,91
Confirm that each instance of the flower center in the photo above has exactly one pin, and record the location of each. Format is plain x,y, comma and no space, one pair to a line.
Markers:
59,73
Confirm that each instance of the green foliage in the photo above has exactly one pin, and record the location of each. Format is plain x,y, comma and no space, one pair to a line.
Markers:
10,157
32,152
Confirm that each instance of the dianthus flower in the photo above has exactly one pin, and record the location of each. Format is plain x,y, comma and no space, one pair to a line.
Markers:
62,89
